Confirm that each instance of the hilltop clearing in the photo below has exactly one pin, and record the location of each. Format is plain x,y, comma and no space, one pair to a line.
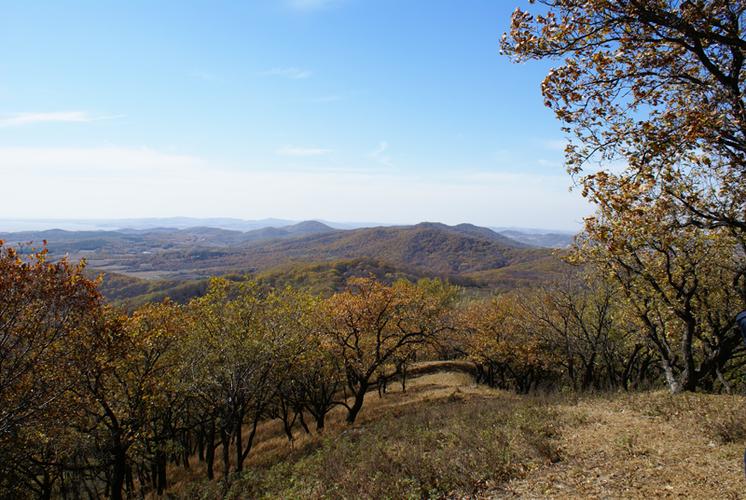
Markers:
446,436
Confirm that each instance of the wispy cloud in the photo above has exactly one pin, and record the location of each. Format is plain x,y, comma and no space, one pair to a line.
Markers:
379,154
548,163
206,76
328,98
288,72
343,95
114,161
21,119
555,144
302,152
311,5
144,182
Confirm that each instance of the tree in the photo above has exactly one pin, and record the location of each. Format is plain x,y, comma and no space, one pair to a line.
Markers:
655,86
653,92
314,381
313,376
43,308
678,286
580,319
506,350
229,361
294,328
124,368
372,322
244,338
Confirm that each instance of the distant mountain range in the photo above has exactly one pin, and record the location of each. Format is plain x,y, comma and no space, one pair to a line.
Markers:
150,223
540,239
130,240
546,238
151,263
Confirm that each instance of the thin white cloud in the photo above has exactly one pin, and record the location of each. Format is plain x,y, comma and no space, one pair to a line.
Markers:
288,72
382,147
96,162
338,96
548,163
302,152
328,98
379,154
311,5
205,76
141,182
21,119
555,144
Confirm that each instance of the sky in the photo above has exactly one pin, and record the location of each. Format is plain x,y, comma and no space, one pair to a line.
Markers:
346,110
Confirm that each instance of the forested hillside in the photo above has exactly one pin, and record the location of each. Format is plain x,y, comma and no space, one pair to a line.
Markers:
149,265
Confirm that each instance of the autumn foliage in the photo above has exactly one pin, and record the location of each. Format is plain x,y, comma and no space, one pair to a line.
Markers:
652,96
98,400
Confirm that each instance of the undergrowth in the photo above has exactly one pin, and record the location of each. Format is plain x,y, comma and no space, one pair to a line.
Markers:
460,444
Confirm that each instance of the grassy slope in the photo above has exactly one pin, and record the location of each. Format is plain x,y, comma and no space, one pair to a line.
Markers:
445,436
648,445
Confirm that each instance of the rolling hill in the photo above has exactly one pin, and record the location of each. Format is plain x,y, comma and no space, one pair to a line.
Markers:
133,241
150,264
430,247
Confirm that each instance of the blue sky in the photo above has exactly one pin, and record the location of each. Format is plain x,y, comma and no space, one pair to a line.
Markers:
388,110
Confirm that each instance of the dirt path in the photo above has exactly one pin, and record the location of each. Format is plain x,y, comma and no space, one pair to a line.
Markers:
616,452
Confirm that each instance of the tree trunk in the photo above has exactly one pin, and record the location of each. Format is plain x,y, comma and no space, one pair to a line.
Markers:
303,423
226,441
119,470
129,482
161,472
358,404
201,443
252,434
287,426
689,376
588,373
210,450
320,417
628,368
721,378
239,445
46,486
673,384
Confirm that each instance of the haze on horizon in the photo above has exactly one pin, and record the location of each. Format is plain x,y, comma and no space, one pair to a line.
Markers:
341,110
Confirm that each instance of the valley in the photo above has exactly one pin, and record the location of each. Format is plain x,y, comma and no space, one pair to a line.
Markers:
151,263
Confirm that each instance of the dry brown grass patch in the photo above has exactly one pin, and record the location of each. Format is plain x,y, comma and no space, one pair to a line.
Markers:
641,445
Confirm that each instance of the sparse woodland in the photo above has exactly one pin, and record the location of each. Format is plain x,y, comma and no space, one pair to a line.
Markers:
96,402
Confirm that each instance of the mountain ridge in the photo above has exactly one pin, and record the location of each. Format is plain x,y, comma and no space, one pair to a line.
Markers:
162,262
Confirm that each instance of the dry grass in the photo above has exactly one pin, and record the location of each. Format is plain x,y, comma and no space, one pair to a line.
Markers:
650,445
446,437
